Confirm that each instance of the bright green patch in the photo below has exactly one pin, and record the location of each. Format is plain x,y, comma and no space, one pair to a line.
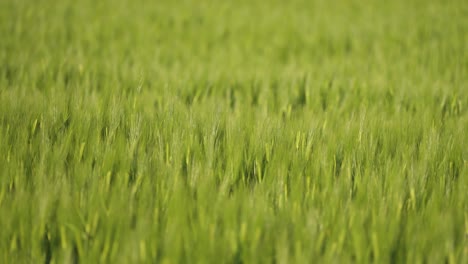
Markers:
233,131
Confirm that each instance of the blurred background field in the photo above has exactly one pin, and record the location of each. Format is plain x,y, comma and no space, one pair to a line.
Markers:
233,131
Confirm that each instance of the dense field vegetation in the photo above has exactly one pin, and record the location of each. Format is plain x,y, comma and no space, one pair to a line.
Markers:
233,131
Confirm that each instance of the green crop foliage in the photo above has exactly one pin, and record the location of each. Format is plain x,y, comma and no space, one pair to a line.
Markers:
233,131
